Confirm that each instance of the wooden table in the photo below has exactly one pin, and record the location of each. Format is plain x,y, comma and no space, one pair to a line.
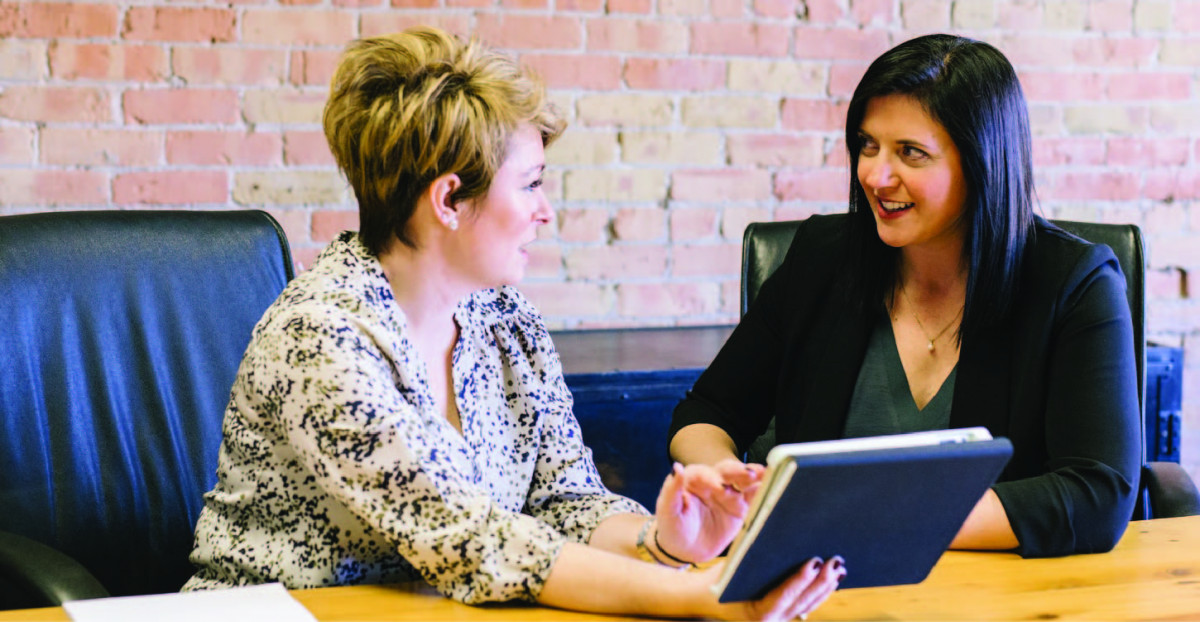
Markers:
1153,574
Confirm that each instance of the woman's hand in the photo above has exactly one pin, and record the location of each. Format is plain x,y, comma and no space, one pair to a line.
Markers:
798,596
701,508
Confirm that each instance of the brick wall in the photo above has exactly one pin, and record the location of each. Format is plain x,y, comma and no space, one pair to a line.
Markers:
690,118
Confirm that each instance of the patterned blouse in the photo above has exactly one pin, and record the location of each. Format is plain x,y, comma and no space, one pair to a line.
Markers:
336,469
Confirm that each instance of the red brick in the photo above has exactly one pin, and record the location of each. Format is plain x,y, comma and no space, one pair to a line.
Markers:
298,27
1079,151
545,261
90,146
1145,152
1165,284
477,4
837,156
775,150
726,9
212,147
1035,50
395,21
636,35
171,188
314,66
55,103
228,65
306,149
710,260
1110,15
416,4
294,223
814,114
524,32
739,39
569,300
825,11
813,185
639,224
43,188
721,185
1019,15
687,74
1142,85
101,61
583,225
779,9
1186,16
283,106
1167,217
357,3
874,12
844,78
1174,250
159,23
58,19
1105,186
670,300
638,7
180,106
1062,86
734,221
616,262
1172,185
576,71
304,255
16,145
299,2
840,44
327,225
1123,52
586,6
693,224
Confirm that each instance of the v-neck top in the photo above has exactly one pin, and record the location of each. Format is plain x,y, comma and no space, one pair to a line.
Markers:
882,402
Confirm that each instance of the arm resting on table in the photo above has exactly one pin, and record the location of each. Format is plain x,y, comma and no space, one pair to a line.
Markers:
35,575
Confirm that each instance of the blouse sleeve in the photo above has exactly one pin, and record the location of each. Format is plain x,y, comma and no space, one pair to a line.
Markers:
351,422
1084,500
566,491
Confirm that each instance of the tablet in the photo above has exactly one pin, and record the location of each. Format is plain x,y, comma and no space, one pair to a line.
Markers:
889,505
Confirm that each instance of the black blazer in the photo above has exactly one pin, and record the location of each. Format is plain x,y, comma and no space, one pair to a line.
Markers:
1058,379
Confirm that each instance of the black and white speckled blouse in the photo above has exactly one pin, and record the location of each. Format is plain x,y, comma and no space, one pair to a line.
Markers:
336,469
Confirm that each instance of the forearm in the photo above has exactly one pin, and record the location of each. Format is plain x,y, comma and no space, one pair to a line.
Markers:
702,443
987,527
586,578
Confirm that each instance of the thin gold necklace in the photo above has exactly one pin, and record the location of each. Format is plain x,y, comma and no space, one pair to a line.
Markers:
925,333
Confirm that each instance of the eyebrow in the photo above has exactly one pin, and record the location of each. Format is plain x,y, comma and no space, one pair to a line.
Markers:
902,141
536,169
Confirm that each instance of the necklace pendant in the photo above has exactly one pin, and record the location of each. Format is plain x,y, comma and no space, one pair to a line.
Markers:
931,347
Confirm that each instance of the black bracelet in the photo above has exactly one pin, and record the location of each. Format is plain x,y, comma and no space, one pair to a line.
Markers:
669,556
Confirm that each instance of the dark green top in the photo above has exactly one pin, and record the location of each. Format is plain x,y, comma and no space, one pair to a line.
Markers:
882,402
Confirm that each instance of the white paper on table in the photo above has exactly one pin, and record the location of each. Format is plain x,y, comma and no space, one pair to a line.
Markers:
256,602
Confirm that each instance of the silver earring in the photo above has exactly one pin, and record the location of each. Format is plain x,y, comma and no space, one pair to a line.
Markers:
453,224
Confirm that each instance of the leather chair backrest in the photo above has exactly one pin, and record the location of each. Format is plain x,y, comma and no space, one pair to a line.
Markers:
121,333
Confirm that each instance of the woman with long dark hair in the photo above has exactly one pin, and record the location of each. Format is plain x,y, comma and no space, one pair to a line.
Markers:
941,300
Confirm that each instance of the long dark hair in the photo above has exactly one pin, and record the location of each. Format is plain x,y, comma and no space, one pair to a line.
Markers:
971,89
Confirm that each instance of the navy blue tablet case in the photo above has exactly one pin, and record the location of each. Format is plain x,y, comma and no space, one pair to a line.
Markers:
890,513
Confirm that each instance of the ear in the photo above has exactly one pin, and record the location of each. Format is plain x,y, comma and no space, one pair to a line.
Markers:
441,192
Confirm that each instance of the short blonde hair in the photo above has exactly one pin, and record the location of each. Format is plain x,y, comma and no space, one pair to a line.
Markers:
409,107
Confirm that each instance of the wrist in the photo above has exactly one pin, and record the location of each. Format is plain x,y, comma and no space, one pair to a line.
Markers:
648,552
674,560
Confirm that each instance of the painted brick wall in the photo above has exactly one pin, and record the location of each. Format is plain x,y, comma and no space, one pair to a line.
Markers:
690,118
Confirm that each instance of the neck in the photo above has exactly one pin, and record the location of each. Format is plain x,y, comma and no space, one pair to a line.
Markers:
424,286
933,272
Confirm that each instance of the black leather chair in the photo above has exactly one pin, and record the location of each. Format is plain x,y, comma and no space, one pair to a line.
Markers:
1166,489
121,333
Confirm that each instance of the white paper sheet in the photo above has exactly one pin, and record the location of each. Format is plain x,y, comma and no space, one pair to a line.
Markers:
256,602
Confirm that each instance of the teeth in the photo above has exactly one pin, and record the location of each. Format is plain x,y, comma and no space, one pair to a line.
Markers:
893,206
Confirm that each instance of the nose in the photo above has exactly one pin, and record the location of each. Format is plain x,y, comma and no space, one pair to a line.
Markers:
878,172
544,212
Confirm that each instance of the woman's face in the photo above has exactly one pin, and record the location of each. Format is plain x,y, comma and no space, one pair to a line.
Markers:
912,174
503,221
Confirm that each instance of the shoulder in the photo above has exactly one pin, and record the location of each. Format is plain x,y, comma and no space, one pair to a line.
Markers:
505,310
1059,262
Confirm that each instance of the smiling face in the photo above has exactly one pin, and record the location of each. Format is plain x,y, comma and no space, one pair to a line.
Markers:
912,174
499,224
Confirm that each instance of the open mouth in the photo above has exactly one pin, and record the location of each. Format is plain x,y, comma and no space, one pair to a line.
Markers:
895,207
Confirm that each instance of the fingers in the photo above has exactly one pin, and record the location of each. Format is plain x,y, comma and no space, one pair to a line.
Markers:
671,493
817,592
737,474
